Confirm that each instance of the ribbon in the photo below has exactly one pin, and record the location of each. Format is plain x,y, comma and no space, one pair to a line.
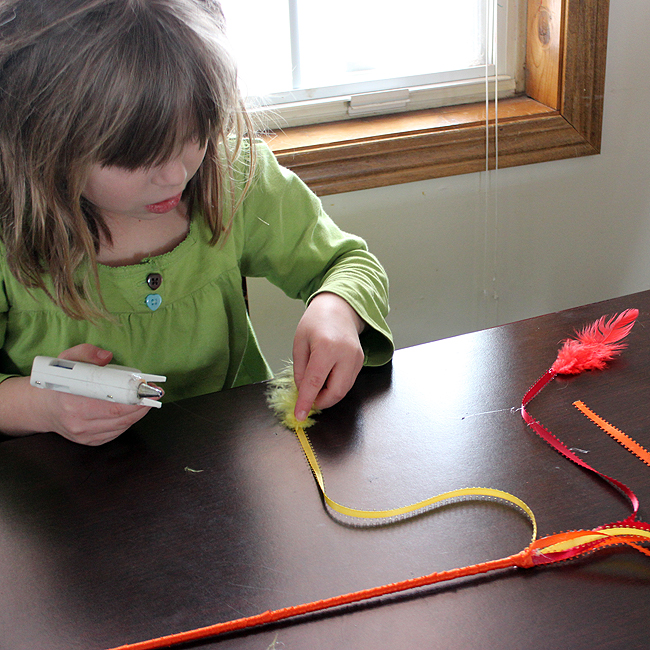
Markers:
561,448
632,446
547,550
464,493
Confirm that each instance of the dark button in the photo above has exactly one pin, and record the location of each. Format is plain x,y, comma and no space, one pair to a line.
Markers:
154,280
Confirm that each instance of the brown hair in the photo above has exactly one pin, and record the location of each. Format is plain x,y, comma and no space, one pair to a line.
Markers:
115,82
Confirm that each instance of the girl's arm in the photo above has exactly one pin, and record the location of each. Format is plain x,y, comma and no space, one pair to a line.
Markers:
327,353
25,409
285,236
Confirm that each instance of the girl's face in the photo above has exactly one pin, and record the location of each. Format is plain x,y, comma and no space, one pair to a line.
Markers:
143,193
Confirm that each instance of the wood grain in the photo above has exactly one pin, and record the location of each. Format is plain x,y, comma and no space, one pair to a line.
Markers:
544,50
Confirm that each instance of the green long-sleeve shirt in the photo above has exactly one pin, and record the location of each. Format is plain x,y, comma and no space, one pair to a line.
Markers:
200,335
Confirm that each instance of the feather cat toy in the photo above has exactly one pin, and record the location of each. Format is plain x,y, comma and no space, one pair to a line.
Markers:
592,349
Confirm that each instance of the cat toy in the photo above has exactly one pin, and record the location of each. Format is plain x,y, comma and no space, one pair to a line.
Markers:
593,348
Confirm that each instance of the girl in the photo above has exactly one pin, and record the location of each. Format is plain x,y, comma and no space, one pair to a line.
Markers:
132,202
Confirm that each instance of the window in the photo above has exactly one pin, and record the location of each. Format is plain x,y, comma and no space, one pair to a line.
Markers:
353,58
557,115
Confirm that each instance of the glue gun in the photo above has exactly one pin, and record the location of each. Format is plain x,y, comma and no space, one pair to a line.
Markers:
111,383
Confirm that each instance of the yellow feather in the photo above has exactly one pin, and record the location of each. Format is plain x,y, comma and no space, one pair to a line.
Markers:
282,395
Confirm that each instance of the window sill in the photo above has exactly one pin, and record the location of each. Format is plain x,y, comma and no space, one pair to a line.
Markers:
374,152
567,77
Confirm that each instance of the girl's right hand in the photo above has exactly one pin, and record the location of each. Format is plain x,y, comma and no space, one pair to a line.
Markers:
25,409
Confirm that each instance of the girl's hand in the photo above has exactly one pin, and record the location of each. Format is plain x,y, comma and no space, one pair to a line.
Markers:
327,353
26,409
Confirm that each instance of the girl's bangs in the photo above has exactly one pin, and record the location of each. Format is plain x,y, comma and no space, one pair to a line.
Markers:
157,97
150,138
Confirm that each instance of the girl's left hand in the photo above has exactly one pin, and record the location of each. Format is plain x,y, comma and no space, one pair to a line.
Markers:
327,353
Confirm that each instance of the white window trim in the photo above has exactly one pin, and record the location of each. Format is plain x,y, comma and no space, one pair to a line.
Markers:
453,88
557,114
383,102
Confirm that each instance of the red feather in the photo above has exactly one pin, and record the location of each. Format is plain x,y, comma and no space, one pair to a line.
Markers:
595,345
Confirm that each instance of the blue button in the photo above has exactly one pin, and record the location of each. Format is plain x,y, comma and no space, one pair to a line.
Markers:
153,301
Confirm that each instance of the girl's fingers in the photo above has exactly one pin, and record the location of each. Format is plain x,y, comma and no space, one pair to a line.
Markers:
309,388
327,380
88,354
92,421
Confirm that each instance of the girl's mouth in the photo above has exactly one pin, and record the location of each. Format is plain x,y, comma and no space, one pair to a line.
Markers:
164,206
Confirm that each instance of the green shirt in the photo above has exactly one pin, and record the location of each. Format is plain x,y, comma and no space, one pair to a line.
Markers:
200,336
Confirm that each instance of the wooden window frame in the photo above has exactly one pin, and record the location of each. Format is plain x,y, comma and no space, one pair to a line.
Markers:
558,116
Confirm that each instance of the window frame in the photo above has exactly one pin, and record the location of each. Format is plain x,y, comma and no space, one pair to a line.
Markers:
558,116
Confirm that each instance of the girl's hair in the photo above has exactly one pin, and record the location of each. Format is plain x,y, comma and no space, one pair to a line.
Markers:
114,82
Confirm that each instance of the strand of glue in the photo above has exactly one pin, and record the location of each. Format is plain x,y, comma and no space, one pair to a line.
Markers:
547,550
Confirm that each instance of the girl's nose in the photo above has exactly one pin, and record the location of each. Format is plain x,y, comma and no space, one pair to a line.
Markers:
173,173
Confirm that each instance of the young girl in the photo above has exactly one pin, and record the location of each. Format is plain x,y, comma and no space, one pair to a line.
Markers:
133,201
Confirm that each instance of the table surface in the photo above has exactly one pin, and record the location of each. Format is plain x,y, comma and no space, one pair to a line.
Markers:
206,510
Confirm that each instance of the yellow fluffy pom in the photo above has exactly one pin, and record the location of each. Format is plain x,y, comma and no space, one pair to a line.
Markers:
282,395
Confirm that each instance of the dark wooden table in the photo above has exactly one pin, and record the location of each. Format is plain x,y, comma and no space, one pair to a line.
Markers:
207,511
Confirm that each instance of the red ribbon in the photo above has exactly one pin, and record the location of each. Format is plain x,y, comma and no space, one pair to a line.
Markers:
560,447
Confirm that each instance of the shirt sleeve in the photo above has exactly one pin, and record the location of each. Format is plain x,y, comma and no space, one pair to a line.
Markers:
288,238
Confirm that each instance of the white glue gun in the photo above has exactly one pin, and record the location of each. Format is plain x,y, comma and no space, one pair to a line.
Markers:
111,383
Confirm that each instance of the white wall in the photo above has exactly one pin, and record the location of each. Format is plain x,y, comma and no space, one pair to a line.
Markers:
472,251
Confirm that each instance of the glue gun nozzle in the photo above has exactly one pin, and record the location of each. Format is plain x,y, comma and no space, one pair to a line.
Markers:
149,390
